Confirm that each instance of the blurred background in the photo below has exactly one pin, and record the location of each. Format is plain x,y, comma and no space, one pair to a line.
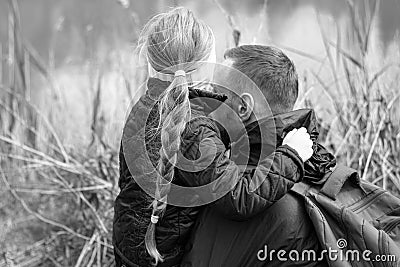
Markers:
68,74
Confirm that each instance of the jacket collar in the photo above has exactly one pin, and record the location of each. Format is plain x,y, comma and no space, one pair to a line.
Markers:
200,100
268,133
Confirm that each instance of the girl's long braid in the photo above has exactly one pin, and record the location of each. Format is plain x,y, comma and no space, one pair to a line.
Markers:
174,110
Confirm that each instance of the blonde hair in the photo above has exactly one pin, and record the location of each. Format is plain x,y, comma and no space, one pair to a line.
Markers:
175,43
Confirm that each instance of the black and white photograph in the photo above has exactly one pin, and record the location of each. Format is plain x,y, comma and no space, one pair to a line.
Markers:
199,133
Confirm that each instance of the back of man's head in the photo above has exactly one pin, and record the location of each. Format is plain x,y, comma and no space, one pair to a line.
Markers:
271,70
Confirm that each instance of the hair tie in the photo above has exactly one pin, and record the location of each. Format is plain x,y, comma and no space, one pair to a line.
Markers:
154,219
180,73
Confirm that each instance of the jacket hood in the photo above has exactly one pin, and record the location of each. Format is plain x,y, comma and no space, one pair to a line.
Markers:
266,134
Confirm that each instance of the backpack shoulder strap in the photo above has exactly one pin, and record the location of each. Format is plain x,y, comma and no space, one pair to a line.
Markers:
336,180
300,188
333,184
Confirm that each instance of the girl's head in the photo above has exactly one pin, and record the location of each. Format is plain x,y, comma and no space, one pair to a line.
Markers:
177,40
176,45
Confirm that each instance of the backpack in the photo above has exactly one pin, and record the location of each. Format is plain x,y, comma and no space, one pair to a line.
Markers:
356,220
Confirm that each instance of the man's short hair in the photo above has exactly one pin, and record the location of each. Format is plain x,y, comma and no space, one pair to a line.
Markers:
271,70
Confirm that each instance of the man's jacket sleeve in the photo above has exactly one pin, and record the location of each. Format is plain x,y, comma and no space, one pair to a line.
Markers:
248,191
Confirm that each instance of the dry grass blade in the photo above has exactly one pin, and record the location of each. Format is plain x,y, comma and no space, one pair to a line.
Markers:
357,31
98,254
231,22
328,52
92,257
42,67
263,14
348,56
378,132
15,30
85,249
370,23
1,63
300,53
380,73
57,191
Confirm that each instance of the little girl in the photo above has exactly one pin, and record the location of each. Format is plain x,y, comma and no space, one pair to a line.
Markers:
168,125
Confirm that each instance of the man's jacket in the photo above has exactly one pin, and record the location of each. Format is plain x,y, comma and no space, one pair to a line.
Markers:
217,240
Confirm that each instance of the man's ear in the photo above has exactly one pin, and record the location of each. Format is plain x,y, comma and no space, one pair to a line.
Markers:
246,106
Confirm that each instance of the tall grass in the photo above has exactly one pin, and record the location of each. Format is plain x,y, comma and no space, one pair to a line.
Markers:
364,132
66,193
69,191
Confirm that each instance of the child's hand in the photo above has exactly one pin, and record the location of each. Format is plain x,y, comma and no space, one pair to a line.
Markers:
300,140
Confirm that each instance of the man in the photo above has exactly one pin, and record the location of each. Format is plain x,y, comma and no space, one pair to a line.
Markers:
282,235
